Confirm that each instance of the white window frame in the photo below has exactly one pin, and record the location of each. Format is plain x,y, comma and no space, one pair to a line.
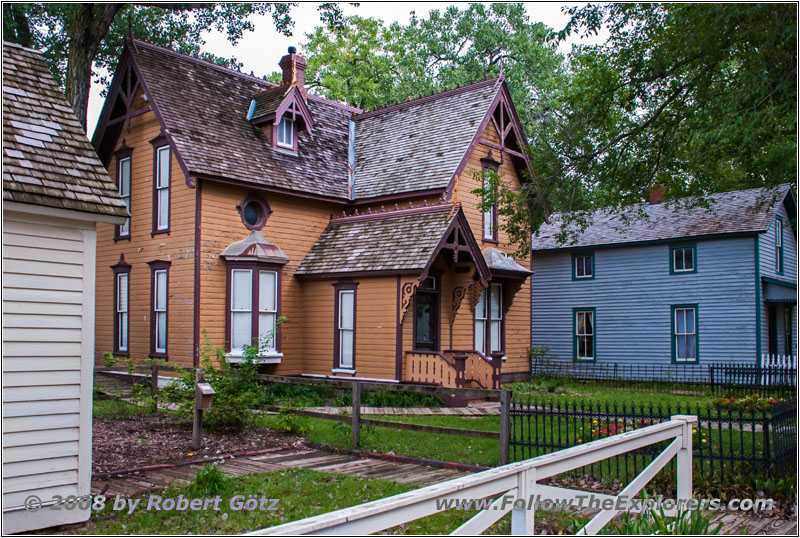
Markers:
486,321
686,334
682,250
162,187
160,310
488,216
285,128
584,334
122,314
267,310
584,257
342,329
125,193
239,351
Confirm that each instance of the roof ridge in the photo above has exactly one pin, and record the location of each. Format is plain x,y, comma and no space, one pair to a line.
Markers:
270,85
427,98
391,213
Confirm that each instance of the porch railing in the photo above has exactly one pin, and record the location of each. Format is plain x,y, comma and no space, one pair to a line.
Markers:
453,368
516,481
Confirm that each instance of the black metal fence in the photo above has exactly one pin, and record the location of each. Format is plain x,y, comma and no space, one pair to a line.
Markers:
715,378
725,442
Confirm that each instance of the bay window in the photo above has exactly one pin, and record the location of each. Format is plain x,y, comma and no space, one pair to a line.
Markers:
253,302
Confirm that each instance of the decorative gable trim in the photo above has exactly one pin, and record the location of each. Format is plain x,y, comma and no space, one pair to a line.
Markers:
459,238
512,125
106,133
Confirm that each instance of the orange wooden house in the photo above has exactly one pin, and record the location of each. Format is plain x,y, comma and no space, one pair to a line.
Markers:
252,201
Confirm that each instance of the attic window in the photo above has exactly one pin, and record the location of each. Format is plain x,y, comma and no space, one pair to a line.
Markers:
286,133
254,212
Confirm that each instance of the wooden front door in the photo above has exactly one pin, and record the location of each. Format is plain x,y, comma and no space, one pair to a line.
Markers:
426,319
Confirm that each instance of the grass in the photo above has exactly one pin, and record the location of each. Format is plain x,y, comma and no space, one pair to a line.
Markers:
469,450
565,389
116,409
301,493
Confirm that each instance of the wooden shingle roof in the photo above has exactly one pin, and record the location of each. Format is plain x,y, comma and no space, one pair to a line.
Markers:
47,159
204,107
736,212
402,241
419,144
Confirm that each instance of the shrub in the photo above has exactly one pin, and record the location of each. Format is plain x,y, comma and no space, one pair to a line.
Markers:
210,481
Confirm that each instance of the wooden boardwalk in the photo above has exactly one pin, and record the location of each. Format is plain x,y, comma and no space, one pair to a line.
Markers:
140,482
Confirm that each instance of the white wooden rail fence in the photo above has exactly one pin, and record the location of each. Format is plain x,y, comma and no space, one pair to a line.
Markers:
517,480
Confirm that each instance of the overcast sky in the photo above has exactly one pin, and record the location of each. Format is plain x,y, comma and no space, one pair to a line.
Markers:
261,49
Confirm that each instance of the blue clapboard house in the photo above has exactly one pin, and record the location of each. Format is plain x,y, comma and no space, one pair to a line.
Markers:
688,286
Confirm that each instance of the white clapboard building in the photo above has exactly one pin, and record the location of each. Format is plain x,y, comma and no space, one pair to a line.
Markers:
54,191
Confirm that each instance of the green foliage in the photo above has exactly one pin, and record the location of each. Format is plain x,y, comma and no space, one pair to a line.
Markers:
749,401
687,522
113,409
110,359
210,481
290,423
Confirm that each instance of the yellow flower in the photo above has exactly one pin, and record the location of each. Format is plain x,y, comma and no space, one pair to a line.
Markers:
705,441
694,431
594,422
191,453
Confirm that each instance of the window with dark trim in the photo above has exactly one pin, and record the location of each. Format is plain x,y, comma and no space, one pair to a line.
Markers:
684,333
162,164
584,334
159,307
490,321
489,216
682,259
779,245
122,272
254,211
583,266
123,168
344,335
253,307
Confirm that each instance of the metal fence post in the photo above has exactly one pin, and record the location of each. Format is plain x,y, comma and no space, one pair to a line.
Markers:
356,414
684,457
505,429
767,452
154,386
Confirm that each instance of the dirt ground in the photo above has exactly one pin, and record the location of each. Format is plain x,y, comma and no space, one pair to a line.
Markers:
150,439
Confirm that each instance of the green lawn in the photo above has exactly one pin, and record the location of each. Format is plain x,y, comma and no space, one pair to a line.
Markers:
116,409
301,493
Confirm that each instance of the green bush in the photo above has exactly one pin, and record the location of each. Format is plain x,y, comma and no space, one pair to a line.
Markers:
210,481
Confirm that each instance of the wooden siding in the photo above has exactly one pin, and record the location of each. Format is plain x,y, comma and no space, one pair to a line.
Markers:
632,292
48,326
294,225
375,327
142,247
766,251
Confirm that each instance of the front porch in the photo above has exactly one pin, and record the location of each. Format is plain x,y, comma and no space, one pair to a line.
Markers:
453,368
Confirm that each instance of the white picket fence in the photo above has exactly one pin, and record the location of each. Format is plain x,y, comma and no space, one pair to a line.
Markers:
778,361
518,480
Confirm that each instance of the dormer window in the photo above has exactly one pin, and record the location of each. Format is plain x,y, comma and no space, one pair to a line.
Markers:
286,133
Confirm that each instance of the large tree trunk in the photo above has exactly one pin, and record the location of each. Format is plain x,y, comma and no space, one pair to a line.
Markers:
89,26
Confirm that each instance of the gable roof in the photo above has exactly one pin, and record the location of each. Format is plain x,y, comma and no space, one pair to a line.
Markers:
48,160
418,145
204,109
736,212
404,241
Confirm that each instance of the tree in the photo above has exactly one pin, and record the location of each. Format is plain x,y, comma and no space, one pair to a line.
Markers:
77,38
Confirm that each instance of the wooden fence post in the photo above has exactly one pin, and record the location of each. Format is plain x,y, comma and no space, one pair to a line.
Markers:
356,413
154,386
199,377
505,417
684,457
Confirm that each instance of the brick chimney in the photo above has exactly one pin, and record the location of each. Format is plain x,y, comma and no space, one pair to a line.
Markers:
293,66
657,194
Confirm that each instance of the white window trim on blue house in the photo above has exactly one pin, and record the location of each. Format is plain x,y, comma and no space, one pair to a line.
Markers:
675,310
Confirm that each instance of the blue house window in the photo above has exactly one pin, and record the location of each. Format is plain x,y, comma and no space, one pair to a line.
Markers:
583,330
684,333
779,245
583,266
683,259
